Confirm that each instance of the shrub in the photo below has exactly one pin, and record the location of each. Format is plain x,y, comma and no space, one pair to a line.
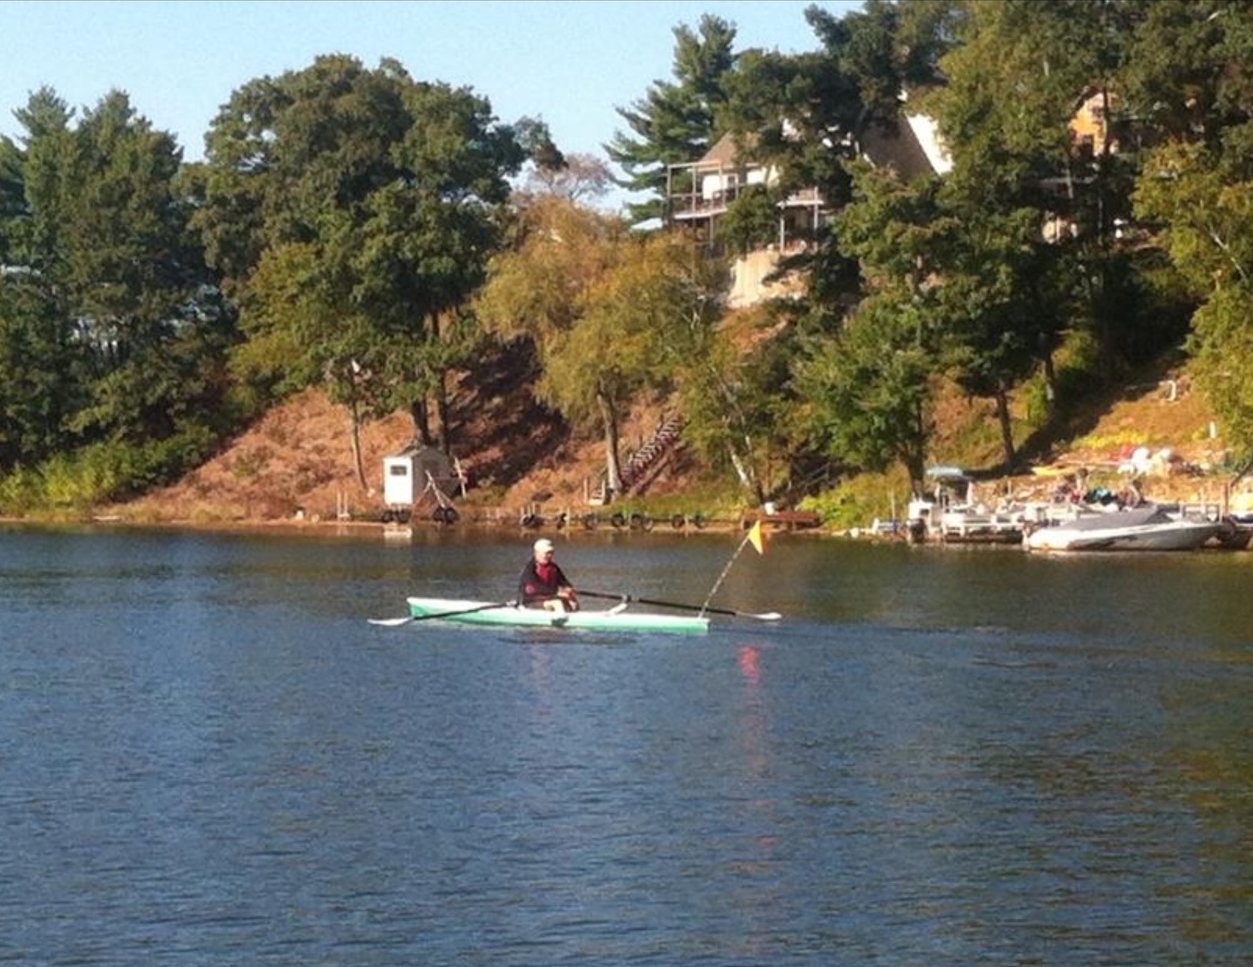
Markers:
72,483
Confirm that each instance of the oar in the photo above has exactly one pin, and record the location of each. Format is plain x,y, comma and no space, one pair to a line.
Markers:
397,622
764,616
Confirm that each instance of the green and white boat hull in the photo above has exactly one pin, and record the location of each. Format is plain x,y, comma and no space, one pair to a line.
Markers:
617,618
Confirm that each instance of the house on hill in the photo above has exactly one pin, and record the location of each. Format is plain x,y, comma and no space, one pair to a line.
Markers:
699,194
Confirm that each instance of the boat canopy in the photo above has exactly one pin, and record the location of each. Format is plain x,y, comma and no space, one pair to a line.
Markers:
948,473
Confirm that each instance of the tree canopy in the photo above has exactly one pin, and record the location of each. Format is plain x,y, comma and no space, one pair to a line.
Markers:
364,230
353,212
111,328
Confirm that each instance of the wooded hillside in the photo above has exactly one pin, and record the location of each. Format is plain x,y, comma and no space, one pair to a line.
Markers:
388,241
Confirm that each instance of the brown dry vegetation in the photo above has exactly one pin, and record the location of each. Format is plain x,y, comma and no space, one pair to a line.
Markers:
297,461
1157,409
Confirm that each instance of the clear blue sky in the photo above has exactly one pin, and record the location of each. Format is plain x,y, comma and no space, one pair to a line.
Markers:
569,63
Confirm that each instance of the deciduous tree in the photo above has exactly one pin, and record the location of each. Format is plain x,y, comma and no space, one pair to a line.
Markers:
392,192
610,315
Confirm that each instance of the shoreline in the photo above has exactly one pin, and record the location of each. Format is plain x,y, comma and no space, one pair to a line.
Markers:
317,524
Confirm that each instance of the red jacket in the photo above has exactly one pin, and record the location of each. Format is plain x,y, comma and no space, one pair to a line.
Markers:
540,581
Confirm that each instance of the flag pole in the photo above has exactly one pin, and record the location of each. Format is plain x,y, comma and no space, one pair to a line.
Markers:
754,537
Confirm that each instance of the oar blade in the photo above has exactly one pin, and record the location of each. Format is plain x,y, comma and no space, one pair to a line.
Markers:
390,622
756,615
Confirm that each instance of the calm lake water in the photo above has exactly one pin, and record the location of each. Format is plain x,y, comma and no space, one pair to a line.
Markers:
939,757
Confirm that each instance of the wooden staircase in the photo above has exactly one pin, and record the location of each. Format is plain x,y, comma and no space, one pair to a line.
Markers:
643,466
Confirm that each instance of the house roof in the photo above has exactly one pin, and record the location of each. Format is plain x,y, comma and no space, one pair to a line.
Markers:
911,149
720,155
903,149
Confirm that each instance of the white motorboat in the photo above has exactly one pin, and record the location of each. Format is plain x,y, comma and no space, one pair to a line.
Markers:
1147,528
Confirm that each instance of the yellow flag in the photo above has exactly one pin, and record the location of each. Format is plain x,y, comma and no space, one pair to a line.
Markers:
757,539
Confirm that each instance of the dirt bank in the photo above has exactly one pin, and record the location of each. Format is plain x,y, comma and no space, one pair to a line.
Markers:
296,466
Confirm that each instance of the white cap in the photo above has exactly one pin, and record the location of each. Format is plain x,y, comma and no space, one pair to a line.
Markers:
543,544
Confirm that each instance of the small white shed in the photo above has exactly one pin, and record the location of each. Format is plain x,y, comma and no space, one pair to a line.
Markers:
407,475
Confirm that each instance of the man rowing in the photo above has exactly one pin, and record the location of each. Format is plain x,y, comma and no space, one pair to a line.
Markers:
543,584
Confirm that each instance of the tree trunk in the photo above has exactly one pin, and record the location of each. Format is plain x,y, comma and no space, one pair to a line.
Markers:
913,452
421,422
440,434
357,461
613,470
1007,427
1050,384
916,468
441,414
748,478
